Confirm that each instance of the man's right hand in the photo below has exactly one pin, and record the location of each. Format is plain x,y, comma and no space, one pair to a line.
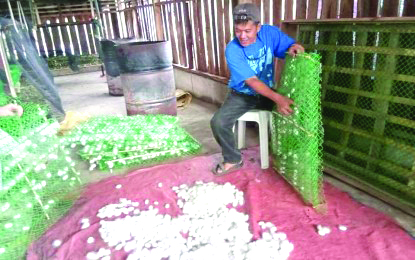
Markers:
283,104
11,110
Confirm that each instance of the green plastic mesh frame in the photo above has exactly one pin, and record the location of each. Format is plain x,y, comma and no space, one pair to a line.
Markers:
111,142
38,181
369,102
297,139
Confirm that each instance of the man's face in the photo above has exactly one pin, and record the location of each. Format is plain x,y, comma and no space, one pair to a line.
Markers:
246,33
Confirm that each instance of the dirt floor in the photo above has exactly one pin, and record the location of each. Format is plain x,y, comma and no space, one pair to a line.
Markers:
88,92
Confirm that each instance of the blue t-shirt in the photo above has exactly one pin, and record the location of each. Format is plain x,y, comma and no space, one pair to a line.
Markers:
256,59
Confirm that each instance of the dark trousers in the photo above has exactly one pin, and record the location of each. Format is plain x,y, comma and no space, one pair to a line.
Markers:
235,105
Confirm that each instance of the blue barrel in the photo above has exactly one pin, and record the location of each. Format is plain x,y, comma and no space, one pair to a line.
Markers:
112,70
147,77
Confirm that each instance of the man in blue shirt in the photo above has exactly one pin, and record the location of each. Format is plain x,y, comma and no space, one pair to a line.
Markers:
250,58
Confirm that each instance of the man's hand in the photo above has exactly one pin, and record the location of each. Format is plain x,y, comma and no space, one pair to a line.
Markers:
283,105
295,49
11,110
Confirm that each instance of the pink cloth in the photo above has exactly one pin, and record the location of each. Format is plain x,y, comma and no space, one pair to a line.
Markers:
370,234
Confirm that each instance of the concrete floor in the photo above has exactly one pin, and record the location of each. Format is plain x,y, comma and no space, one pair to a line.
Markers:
88,92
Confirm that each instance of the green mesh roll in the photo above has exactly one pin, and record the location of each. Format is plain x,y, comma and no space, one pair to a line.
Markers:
38,181
110,142
297,139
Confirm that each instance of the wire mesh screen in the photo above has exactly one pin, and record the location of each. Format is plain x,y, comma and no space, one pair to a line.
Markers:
297,139
368,102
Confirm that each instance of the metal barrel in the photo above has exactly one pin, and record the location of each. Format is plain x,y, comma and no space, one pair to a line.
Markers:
147,77
112,70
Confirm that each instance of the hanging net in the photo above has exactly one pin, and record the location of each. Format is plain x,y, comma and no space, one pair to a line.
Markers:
36,83
297,139
110,142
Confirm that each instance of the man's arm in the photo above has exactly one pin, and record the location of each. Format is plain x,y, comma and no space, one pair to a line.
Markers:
283,103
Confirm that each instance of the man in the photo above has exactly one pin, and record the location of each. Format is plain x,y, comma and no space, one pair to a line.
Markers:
250,58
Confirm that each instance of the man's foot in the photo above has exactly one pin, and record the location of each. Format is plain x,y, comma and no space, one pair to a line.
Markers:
225,168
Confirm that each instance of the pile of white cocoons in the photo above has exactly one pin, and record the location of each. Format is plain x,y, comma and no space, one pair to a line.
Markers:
209,228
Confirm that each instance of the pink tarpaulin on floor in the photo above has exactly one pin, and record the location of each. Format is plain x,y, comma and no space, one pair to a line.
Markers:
370,234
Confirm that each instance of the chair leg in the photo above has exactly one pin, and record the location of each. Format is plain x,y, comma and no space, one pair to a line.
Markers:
241,134
263,140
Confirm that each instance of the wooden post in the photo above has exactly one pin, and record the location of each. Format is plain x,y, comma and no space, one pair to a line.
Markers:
383,85
158,19
188,34
361,40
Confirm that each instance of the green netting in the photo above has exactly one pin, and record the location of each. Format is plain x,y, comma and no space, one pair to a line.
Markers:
369,102
117,141
297,139
38,181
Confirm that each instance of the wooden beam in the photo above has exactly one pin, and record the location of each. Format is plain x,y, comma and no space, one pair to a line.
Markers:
180,34
158,20
188,34
210,52
301,11
288,15
221,36
346,8
200,43
409,8
329,9
390,8
276,16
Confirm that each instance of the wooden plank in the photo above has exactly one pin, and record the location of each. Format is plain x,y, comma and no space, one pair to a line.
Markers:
158,20
288,15
211,68
361,40
221,36
369,188
362,93
171,33
74,38
276,14
83,39
409,8
329,9
227,22
312,9
214,37
390,8
180,36
165,26
200,43
267,8
399,170
188,35
301,11
370,8
346,8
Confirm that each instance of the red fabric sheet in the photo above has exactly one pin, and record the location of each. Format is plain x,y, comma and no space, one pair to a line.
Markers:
370,234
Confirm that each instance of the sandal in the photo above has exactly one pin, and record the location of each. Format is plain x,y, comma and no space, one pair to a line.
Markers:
219,170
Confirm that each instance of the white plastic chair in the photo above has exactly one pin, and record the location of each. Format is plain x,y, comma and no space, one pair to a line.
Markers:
262,117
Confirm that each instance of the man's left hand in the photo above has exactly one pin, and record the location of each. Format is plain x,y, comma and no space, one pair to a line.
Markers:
295,49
